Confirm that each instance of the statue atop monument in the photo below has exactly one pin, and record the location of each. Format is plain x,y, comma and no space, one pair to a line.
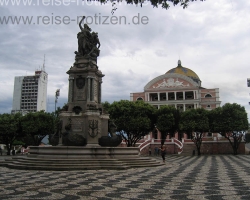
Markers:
84,122
88,42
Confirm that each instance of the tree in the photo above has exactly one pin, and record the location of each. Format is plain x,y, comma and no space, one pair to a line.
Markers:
106,105
10,129
133,119
37,125
167,121
195,122
165,4
230,121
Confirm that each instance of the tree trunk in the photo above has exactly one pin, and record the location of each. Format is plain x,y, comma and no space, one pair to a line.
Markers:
235,149
198,151
197,139
129,144
235,144
8,149
163,138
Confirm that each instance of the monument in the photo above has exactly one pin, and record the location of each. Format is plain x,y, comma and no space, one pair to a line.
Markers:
82,140
84,121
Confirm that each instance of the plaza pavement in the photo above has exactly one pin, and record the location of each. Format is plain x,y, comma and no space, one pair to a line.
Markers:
182,177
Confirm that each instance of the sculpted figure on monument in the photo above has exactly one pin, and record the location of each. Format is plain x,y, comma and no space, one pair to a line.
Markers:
95,49
113,140
88,43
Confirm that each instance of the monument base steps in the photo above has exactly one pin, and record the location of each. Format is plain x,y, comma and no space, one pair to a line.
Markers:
45,158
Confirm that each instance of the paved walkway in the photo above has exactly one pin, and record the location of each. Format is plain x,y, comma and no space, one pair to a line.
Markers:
205,177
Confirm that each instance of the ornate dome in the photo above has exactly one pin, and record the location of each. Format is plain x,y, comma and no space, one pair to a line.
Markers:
184,71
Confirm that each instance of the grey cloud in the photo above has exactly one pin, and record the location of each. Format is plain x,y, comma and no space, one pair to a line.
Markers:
195,35
5,105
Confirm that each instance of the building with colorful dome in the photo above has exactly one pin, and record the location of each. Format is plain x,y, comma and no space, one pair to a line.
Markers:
179,87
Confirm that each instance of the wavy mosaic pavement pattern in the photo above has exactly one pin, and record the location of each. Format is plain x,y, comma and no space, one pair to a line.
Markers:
183,177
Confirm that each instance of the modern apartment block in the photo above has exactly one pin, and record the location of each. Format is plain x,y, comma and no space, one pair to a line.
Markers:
30,93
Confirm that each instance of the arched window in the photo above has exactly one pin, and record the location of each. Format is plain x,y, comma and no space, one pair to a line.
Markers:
139,99
208,95
208,106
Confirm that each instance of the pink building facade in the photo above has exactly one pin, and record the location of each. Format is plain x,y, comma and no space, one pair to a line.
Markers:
181,87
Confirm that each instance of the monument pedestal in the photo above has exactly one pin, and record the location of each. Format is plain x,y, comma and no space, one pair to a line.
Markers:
65,158
89,125
84,122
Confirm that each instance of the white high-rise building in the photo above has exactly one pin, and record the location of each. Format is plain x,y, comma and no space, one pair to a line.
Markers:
30,93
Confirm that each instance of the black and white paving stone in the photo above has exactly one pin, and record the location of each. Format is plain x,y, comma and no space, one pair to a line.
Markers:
182,177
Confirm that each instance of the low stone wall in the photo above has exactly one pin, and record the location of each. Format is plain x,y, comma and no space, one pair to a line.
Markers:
207,148
82,152
220,147
171,149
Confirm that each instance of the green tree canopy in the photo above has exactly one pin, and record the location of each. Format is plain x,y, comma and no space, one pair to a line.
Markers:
157,3
195,122
167,121
230,120
133,119
37,125
10,129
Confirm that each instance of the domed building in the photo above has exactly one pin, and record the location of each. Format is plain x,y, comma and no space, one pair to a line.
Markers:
179,87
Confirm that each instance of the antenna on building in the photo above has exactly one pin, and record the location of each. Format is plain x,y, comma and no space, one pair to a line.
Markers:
43,64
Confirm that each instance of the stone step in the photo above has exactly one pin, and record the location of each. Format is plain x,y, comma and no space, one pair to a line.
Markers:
79,158
188,149
32,163
64,167
82,161
59,161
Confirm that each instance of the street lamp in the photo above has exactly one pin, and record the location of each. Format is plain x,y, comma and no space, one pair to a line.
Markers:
56,97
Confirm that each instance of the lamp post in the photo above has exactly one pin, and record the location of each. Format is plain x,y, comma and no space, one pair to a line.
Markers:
57,94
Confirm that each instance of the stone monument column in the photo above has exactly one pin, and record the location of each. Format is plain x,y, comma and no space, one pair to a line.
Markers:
70,94
99,91
84,122
90,88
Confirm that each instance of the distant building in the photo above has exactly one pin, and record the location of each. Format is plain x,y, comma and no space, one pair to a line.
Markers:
30,93
179,87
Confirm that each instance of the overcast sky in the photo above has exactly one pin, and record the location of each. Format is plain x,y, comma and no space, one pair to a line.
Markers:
212,38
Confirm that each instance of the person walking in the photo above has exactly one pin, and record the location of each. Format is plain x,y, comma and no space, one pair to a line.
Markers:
163,152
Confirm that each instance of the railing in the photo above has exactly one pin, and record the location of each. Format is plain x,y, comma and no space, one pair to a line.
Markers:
144,144
179,144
